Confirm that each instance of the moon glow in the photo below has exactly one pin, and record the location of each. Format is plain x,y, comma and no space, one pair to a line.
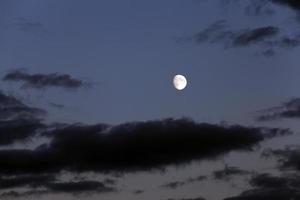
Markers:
179,82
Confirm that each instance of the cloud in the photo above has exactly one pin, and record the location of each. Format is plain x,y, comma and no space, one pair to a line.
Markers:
267,38
38,184
57,106
229,172
41,81
197,198
30,180
176,184
294,4
78,187
267,186
25,25
254,36
12,108
17,120
17,130
137,192
289,157
131,146
288,109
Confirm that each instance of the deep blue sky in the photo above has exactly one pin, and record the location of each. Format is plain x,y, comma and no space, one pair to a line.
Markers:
130,50
127,53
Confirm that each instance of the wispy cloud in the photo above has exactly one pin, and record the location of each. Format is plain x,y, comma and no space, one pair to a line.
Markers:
41,81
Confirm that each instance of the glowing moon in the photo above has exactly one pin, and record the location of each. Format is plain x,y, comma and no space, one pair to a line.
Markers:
179,82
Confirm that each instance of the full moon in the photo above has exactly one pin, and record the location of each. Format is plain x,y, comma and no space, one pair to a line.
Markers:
179,82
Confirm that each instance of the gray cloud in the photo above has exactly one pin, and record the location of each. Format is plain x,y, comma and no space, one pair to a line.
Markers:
41,81
176,184
267,38
12,108
229,172
288,109
267,186
25,25
289,158
17,120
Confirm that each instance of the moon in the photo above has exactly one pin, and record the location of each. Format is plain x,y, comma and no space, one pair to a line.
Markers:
179,82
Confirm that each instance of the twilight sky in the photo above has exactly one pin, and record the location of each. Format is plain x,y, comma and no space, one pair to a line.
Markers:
88,109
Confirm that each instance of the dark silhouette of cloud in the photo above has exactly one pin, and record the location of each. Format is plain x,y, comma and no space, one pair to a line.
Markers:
38,184
25,25
29,180
197,198
18,130
254,36
17,120
289,157
267,186
12,108
57,106
294,4
258,8
288,109
78,187
267,38
137,192
229,172
41,81
132,146
176,184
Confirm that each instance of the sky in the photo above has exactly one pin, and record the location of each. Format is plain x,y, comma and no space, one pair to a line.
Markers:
89,110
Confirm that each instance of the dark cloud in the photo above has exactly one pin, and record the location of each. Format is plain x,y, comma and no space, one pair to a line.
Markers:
258,8
131,146
269,181
197,198
138,192
294,4
17,130
289,157
288,109
229,172
17,120
25,25
41,81
29,180
58,106
17,194
270,187
176,184
78,187
254,36
267,38
48,183
12,109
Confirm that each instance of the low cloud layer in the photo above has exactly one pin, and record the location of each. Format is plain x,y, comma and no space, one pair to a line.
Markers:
132,146
42,81
288,109
47,183
17,120
267,186
12,109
